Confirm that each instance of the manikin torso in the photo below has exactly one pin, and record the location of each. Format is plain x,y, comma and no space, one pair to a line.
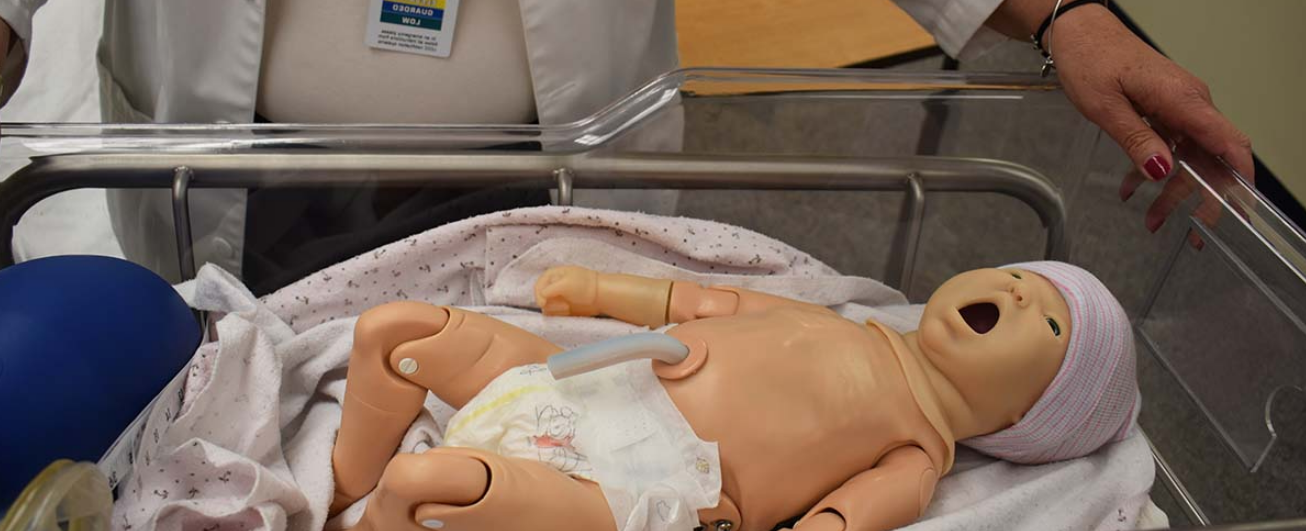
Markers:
822,400
317,68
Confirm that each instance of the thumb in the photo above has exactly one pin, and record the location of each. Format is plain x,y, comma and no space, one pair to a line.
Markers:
1150,152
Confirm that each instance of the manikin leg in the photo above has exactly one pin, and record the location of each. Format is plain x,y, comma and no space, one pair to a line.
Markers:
458,489
401,350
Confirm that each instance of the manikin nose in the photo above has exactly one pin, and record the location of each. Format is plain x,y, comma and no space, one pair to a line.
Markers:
1018,293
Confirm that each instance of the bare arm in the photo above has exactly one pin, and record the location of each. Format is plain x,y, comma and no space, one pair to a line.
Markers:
892,494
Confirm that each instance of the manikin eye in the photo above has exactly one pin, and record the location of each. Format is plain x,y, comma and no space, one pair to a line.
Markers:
1056,328
1017,275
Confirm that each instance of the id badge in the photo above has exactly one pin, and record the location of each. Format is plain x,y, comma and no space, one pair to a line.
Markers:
422,27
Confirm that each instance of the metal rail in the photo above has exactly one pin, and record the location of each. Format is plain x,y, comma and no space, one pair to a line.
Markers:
908,240
47,176
181,221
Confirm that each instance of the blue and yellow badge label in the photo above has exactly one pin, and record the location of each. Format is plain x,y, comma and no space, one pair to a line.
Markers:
427,14
414,26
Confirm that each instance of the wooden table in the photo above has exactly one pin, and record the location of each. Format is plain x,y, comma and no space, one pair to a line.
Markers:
793,34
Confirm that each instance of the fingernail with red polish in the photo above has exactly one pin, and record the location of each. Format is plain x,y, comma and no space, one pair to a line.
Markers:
1154,223
1156,167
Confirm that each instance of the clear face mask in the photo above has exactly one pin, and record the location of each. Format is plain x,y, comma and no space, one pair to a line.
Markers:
66,496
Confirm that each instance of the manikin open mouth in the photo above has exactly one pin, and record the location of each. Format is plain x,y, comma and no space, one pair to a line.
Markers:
981,316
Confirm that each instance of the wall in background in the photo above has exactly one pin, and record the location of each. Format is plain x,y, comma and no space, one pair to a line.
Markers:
1251,55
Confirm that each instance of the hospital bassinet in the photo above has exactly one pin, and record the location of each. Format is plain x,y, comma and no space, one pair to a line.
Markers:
926,175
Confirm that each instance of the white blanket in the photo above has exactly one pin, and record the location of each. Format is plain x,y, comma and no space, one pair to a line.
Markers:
243,440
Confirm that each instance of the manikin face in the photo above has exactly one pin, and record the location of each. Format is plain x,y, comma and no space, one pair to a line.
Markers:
999,335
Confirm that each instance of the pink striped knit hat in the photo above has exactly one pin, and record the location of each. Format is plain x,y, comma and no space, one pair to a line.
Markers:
1094,398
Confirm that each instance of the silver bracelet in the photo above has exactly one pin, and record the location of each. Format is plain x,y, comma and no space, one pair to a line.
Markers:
1046,29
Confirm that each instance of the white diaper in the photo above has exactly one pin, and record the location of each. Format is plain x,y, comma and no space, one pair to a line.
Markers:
615,426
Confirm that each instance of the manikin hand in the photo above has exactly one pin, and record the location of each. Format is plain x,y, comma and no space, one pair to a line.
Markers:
568,290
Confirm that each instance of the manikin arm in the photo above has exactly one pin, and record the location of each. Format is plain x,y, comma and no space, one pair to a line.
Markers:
644,301
690,301
892,494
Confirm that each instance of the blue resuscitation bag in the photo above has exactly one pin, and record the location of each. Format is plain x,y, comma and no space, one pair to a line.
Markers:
86,342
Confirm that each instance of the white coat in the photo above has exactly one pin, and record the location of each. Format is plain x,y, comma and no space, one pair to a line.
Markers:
199,61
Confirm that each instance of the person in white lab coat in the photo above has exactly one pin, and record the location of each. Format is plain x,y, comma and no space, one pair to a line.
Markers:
197,61
518,61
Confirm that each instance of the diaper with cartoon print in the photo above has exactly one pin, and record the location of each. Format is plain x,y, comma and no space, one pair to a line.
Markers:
615,426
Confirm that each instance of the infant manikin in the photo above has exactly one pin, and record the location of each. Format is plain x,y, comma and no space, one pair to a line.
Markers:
781,410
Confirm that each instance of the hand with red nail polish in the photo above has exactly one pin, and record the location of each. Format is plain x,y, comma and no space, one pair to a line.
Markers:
1144,101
